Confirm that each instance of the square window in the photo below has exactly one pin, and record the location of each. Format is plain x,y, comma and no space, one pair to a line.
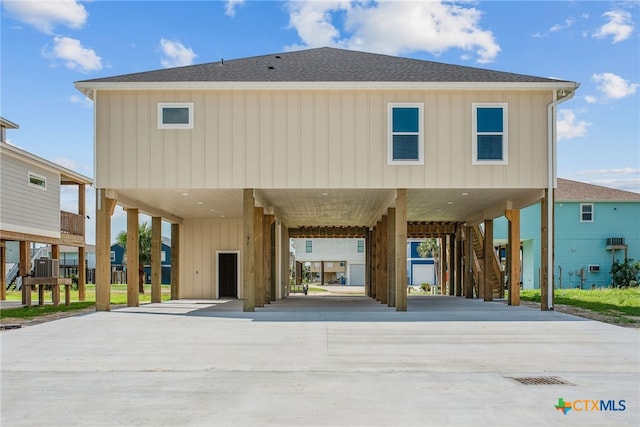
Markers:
586,212
309,246
405,140
113,256
489,134
172,115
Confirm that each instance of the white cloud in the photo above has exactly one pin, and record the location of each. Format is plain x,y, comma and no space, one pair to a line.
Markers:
175,54
45,15
568,126
392,27
590,99
613,86
76,56
67,163
82,100
627,178
619,26
230,9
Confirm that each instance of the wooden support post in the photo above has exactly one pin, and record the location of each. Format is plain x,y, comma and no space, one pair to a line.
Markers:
25,269
459,267
391,257
487,259
268,256
378,266
544,248
133,259
82,274
321,273
258,281
156,259
513,255
401,244
175,261
55,254
3,271
82,206
374,258
248,262
367,261
104,210
452,264
468,262
383,287
443,264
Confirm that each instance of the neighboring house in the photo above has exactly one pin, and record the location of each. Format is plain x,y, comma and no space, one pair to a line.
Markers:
240,155
419,270
594,226
30,212
337,261
118,264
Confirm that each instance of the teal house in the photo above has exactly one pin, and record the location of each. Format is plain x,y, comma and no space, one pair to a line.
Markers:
594,226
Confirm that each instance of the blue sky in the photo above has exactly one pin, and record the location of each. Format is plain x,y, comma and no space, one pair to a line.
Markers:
47,45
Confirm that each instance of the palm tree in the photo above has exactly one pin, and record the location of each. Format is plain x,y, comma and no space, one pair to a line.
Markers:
430,248
144,250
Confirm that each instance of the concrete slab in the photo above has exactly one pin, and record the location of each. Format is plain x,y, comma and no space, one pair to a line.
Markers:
319,361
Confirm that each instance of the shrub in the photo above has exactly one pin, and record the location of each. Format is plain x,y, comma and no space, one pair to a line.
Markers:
625,274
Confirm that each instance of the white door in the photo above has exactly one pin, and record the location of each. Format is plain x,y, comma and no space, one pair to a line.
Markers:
423,273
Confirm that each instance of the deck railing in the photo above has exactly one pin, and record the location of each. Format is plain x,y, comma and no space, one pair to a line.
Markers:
71,223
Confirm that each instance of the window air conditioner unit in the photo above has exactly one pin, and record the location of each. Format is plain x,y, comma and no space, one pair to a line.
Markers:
594,268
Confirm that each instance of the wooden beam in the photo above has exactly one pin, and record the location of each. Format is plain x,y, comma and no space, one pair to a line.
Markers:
18,237
25,269
104,206
133,258
248,262
422,230
175,261
401,255
452,264
459,267
513,255
443,264
327,232
82,274
487,259
391,257
468,262
82,207
268,256
544,248
3,271
367,262
258,255
156,259
384,283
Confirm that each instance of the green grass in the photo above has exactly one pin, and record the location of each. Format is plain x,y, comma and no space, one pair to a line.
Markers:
118,296
42,310
295,288
613,302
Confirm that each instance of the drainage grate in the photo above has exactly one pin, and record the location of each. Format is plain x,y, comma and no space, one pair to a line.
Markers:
541,381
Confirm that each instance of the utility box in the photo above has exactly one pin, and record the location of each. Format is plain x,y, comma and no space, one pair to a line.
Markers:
46,267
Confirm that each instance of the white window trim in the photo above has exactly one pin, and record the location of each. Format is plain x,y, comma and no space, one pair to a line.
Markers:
38,176
188,105
474,133
112,256
592,212
420,107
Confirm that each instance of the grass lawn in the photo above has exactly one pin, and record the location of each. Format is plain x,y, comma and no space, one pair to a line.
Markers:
118,296
618,303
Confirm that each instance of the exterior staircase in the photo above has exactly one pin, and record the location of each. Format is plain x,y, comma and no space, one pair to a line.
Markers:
496,278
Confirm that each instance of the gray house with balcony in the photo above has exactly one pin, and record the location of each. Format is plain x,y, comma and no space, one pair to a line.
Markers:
30,212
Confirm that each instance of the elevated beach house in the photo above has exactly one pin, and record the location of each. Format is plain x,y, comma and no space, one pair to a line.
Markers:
241,155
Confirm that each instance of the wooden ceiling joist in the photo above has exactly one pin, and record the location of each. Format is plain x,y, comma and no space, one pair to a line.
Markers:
328,232
417,230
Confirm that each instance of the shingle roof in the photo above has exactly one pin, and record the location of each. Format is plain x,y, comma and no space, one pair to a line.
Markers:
580,191
325,65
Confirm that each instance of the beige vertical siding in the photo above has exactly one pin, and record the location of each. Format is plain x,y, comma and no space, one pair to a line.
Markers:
198,268
323,139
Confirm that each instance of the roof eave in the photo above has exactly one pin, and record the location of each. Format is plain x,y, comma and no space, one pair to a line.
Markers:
88,88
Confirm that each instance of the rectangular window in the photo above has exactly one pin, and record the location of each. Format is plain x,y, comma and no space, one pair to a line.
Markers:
360,246
175,115
309,246
37,181
113,256
586,212
489,133
405,124
163,256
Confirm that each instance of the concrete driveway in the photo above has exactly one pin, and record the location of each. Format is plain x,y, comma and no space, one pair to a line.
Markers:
320,361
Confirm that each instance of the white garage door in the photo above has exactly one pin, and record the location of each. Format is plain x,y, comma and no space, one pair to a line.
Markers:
423,273
356,275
